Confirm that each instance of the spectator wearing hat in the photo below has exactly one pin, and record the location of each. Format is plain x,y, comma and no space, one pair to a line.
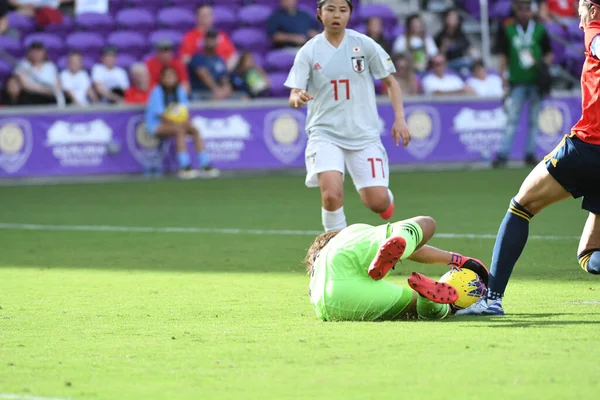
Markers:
165,57
208,72
193,40
525,54
290,27
39,77
110,81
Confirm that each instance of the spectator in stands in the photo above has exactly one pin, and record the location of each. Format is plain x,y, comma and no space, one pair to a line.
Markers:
5,29
405,75
162,98
525,54
416,43
76,82
375,32
564,12
193,40
484,84
39,77
12,93
290,27
140,88
208,72
453,43
165,57
109,80
45,12
440,82
250,77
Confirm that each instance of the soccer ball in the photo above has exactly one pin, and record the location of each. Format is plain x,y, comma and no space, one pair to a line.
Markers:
469,285
177,113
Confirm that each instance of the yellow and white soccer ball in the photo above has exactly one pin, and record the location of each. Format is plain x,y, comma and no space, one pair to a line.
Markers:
469,285
177,113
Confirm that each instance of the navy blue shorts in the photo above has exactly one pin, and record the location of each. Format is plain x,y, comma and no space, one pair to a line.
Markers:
576,166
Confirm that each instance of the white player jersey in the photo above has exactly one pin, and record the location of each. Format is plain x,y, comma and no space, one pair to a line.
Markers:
344,110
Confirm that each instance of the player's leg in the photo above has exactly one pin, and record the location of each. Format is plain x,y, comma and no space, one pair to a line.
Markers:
203,158
369,300
177,131
539,190
369,169
514,105
589,245
325,169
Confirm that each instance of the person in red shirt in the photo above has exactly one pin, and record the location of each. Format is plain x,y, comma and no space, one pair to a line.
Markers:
140,88
192,42
165,57
562,11
571,169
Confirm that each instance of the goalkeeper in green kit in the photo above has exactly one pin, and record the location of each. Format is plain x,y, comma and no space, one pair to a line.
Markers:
346,267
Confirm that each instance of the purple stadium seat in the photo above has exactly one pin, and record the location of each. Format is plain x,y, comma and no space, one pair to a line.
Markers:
280,60
500,9
259,60
23,24
251,39
472,6
153,5
255,15
128,42
87,43
277,80
232,3
6,70
63,29
11,46
558,49
126,60
53,43
88,62
575,34
136,19
554,29
362,28
95,22
174,36
224,18
176,18
382,11
575,58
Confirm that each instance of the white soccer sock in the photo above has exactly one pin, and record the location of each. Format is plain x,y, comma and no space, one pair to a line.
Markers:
333,219
391,196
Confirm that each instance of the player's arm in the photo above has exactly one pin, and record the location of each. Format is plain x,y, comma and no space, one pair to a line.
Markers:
546,45
399,130
298,79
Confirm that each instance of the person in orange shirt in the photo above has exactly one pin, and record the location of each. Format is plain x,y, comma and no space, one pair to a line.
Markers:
193,40
138,92
165,57
571,169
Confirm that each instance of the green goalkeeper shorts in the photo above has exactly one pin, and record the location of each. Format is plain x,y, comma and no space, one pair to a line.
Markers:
345,292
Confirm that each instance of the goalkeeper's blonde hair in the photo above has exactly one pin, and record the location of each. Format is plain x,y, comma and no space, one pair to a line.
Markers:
315,249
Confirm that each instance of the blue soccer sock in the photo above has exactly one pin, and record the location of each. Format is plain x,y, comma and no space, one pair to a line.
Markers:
590,261
183,159
203,159
510,242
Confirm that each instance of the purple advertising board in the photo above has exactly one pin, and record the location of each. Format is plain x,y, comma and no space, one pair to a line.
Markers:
259,137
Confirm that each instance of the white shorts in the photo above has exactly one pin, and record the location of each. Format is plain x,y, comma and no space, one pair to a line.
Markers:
368,167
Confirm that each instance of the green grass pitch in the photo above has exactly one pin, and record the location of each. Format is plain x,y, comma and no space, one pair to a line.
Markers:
200,315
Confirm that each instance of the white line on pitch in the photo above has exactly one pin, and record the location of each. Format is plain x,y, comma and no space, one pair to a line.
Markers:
10,396
232,231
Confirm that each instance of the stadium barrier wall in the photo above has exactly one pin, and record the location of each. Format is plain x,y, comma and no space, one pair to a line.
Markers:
36,142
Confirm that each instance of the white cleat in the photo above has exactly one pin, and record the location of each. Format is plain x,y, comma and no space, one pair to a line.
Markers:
483,308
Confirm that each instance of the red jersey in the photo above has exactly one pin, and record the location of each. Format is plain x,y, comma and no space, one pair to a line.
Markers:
192,44
135,95
588,127
155,67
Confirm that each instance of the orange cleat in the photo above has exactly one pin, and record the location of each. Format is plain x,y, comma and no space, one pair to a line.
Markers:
438,292
389,213
387,257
